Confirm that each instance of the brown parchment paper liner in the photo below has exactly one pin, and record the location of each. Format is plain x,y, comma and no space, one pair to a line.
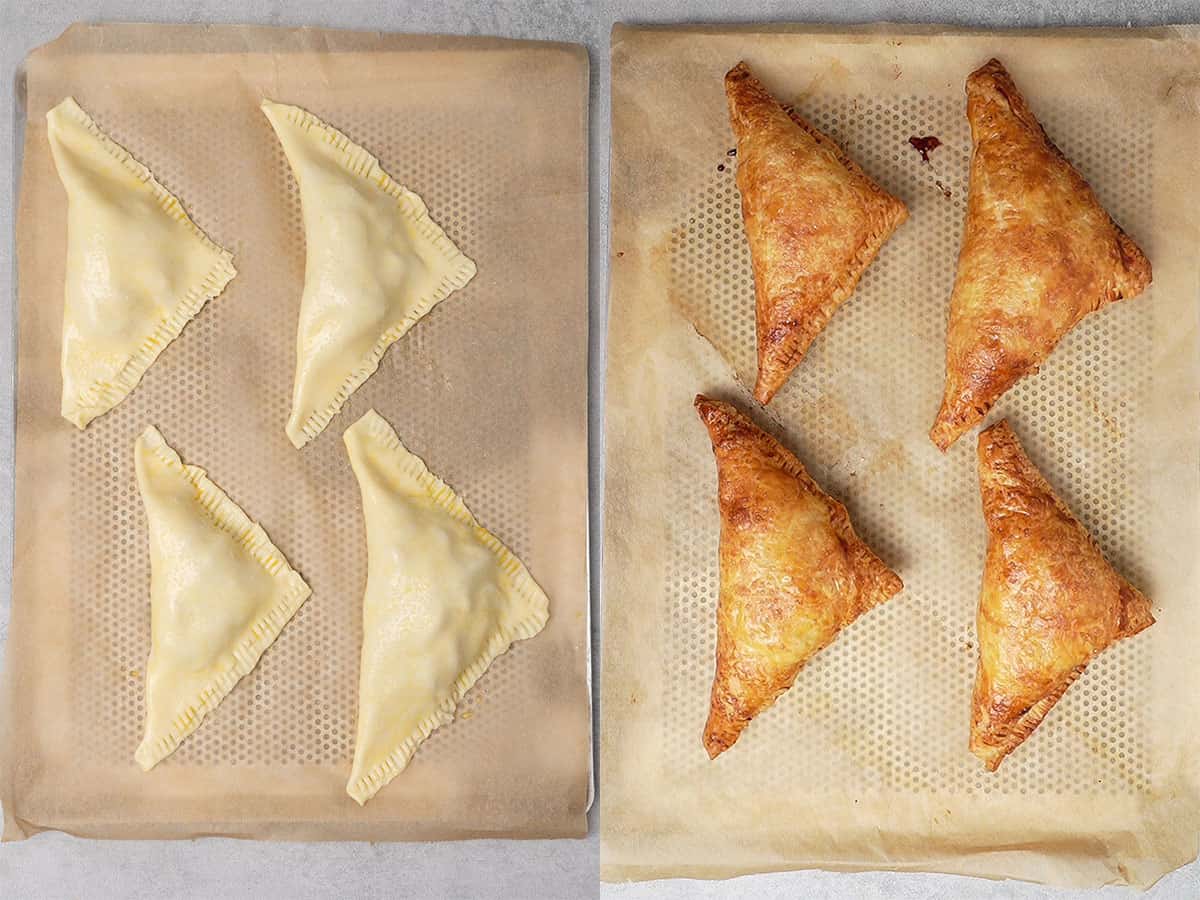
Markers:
489,389
863,763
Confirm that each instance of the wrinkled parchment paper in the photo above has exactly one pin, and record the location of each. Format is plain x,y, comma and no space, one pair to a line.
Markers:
489,389
863,764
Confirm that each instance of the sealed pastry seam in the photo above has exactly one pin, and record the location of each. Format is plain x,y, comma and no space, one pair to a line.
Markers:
407,468
101,396
259,634
104,395
992,748
458,269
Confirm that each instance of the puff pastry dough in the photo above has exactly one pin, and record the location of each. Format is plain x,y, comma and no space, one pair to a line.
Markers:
443,599
138,269
813,218
1049,602
375,264
1038,254
220,592
793,572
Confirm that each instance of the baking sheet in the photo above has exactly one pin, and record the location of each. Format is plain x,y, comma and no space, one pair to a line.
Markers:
489,389
863,764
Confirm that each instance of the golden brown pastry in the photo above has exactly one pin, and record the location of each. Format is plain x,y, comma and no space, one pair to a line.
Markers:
793,572
1049,602
1038,254
813,219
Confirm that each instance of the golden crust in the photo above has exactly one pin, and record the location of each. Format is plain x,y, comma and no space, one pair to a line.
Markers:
1049,602
793,572
1038,254
814,221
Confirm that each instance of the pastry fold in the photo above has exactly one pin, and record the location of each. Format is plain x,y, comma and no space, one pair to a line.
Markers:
1049,602
793,572
814,221
220,593
137,271
444,598
1038,254
375,263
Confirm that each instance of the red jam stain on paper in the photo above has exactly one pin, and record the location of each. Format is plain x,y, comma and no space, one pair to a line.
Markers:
925,145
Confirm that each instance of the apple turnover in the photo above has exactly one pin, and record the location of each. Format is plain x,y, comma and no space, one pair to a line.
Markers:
137,270
220,593
793,572
375,263
1038,254
1049,603
814,221
443,599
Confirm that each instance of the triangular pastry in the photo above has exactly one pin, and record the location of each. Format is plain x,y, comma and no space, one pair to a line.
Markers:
220,592
793,572
1038,254
1049,602
137,269
814,221
443,599
375,263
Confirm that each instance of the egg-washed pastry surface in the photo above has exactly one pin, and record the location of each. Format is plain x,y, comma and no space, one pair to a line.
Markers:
375,263
137,269
444,597
220,592
793,572
1049,601
1038,254
814,221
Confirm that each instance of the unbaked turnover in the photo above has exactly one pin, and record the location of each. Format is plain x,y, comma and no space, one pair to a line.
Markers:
137,269
375,263
793,572
814,221
220,593
443,599
1049,603
1038,254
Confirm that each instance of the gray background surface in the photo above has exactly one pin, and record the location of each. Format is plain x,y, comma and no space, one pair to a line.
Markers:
56,866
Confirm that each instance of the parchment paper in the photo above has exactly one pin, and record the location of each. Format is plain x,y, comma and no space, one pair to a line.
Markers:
489,389
864,763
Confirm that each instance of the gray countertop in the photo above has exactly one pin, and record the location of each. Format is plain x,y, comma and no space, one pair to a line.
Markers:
55,865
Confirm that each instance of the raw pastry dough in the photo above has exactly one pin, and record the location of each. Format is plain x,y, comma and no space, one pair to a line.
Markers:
813,218
220,592
375,264
1038,254
137,267
444,598
1049,602
793,572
